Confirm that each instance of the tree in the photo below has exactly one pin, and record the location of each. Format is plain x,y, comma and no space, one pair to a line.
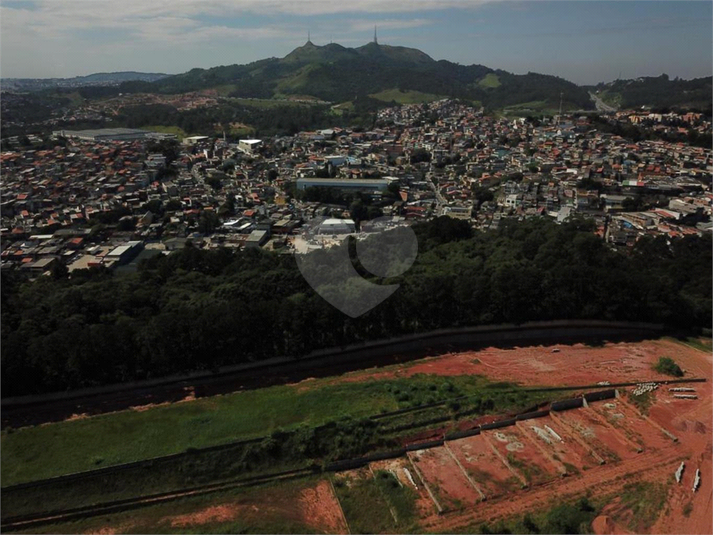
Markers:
214,182
358,211
208,222
420,155
482,194
174,205
632,204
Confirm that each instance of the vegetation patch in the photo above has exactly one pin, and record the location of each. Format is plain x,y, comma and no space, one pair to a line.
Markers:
645,500
176,130
39,452
490,80
377,505
401,96
570,517
643,401
271,508
668,366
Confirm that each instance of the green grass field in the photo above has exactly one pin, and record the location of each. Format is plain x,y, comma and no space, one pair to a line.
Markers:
405,97
225,89
490,80
49,450
268,103
700,343
177,130
537,107
377,504
613,99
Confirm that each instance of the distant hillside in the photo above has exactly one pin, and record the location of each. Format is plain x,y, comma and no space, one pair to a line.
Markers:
338,74
658,92
126,76
97,79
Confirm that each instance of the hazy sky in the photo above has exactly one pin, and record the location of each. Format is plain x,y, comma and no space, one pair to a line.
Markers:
583,41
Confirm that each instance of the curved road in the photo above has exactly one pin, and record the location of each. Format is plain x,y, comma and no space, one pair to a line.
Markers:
601,106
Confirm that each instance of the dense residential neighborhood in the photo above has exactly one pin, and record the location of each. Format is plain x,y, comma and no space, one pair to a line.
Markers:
112,197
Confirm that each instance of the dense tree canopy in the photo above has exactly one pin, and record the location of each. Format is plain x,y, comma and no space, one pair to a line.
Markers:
197,309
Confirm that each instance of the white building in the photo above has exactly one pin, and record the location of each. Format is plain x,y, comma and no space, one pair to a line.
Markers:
249,146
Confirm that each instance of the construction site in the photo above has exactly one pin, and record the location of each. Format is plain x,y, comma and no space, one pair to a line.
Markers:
609,435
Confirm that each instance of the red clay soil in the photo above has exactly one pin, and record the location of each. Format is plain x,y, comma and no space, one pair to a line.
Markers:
602,481
605,525
576,364
608,444
320,509
571,453
111,530
214,513
522,455
629,421
690,421
484,467
445,478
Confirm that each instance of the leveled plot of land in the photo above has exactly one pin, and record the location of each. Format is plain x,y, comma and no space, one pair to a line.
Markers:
557,440
554,365
611,446
625,418
484,466
522,455
444,478
176,130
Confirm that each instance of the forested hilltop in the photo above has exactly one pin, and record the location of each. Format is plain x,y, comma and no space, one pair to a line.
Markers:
339,74
197,309
659,92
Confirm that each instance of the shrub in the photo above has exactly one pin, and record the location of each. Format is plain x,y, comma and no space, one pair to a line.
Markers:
666,365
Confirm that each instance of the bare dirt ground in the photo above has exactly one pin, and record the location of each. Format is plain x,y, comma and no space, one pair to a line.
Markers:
611,446
577,364
603,481
559,443
449,485
613,429
690,421
320,508
522,455
484,467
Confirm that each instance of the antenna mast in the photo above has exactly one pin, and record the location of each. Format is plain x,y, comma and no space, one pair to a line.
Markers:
309,39
559,117
375,41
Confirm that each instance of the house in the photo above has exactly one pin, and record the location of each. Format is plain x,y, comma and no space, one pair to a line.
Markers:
257,238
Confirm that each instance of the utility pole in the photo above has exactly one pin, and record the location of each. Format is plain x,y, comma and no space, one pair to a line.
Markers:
559,117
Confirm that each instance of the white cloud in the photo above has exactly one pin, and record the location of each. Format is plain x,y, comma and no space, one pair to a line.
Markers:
46,36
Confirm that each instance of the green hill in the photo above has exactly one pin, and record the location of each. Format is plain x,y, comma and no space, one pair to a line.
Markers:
657,92
339,74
